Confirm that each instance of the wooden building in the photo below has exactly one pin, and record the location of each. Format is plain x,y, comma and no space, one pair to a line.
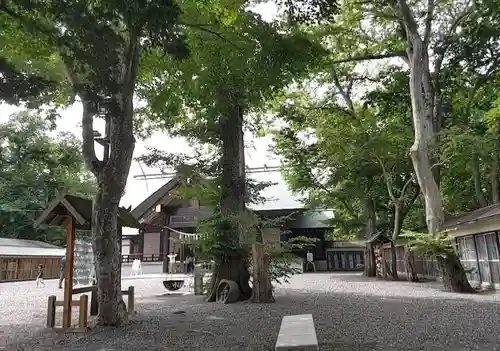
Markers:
165,215
477,236
345,255
19,259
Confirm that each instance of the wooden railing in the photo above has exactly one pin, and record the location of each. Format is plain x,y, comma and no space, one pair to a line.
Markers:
144,258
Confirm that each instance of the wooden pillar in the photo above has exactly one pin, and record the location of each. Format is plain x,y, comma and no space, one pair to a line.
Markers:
141,242
120,235
68,278
166,248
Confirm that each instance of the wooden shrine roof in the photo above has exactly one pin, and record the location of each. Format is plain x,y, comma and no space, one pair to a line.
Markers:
81,209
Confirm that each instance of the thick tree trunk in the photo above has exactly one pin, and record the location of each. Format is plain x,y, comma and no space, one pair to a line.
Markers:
495,195
478,187
454,278
395,234
233,263
394,263
112,309
423,109
370,269
262,290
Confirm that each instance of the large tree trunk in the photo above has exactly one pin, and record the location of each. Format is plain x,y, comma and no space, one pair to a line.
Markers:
262,290
370,269
476,175
112,309
111,174
495,195
423,109
233,263
454,278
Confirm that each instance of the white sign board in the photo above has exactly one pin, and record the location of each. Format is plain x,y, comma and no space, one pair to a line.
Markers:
84,267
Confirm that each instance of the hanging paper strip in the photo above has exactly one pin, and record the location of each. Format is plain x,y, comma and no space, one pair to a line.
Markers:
183,235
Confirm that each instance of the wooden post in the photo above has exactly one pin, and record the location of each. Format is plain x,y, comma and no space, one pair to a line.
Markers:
130,299
51,312
384,262
68,279
198,279
166,247
84,305
262,289
94,305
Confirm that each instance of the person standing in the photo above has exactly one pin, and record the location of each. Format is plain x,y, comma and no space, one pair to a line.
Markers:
62,269
39,277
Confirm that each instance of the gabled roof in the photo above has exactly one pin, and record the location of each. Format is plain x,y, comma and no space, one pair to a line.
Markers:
474,216
81,209
150,202
379,236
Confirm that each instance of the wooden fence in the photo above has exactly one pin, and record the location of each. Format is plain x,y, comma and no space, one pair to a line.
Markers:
26,268
144,258
424,266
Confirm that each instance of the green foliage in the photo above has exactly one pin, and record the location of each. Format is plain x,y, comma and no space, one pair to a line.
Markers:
336,148
214,245
242,64
429,245
282,255
89,28
33,165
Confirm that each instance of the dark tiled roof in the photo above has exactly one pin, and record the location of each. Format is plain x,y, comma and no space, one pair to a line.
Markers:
378,236
299,217
150,202
477,215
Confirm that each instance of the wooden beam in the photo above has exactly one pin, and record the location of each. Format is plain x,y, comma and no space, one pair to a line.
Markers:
79,218
45,213
68,276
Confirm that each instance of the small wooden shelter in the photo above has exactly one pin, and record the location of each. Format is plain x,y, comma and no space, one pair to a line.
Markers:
72,213
374,254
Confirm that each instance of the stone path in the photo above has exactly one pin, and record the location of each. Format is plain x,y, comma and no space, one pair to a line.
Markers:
350,312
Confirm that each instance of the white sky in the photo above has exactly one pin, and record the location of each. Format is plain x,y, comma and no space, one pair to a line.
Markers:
137,190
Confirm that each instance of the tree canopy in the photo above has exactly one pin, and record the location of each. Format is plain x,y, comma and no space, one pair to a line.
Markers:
34,164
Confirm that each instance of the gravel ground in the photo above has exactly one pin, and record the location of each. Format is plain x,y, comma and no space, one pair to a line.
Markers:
350,312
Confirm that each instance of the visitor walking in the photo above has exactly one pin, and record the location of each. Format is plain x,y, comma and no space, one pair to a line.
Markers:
39,277
62,268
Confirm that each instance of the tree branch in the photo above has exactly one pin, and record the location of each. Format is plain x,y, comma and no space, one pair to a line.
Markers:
387,178
368,57
447,37
408,20
405,186
202,27
88,148
428,21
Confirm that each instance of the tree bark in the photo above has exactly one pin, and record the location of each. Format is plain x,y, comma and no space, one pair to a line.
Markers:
495,195
395,234
371,227
454,278
394,264
422,108
476,175
233,265
262,290
112,310
423,96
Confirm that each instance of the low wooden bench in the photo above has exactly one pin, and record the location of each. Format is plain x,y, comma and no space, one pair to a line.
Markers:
297,333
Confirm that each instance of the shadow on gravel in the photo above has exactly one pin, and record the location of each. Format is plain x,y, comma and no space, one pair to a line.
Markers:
343,322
